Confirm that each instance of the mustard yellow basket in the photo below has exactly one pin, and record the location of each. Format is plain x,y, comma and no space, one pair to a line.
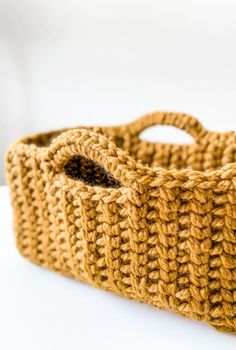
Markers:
152,222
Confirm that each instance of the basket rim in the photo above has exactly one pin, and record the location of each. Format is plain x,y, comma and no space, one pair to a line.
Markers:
148,175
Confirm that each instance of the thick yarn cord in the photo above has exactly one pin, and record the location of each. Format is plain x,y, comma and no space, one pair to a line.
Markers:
152,222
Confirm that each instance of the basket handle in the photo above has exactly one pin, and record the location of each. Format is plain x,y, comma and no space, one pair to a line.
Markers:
98,148
180,120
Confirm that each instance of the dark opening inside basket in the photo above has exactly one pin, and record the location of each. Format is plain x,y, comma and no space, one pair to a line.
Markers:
153,222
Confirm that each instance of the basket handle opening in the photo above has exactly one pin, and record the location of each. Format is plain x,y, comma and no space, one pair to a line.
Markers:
96,148
90,172
181,121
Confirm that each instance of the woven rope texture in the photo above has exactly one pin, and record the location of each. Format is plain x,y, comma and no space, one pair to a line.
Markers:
152,222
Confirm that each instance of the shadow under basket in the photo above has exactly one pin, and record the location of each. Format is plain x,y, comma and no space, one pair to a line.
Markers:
152,222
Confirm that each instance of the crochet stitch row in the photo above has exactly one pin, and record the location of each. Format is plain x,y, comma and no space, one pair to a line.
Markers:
153,222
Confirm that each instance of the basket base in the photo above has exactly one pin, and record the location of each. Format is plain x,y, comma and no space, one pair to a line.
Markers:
225,329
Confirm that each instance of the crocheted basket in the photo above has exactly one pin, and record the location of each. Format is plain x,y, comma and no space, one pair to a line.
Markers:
152,222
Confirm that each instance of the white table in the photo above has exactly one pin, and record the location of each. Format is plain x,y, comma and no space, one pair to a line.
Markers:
40,310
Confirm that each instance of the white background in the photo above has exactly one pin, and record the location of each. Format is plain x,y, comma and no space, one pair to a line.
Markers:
40,310
65,63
